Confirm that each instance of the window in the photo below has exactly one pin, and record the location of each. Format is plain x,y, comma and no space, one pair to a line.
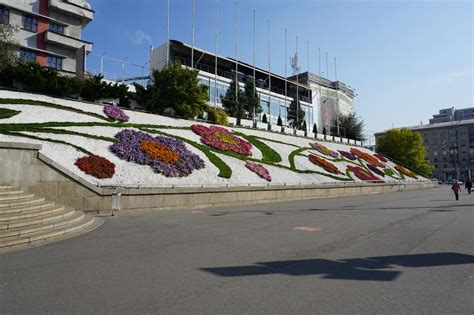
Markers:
56,28
4,15
27,55
55,62
30,23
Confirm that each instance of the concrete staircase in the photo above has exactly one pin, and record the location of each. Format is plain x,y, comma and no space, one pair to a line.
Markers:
29,221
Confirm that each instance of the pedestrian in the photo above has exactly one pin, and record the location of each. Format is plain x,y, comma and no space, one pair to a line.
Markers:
456,188
468,186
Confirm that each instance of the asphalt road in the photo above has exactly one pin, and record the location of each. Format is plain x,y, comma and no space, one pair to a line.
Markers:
409,252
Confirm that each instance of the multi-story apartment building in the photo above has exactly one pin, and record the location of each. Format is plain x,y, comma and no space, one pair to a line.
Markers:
320,99
450,114
49,32
449,146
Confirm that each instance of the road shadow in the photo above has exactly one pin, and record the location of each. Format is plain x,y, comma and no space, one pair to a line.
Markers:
366,269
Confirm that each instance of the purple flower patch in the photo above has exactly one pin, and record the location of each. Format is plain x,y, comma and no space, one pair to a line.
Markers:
115,113
128,147
348,155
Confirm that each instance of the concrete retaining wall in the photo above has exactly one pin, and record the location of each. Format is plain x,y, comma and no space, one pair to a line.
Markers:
22,166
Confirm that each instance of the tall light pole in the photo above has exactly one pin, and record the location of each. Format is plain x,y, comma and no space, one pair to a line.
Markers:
123,68
269,79
192,48
286,75
237,54
215,61
254,78
102,63
168,33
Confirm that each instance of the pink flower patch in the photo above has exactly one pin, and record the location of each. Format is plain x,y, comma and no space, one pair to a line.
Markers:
222,139
260,170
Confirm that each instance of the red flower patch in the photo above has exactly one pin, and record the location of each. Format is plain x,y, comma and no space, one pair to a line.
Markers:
96,166
363,174
367,157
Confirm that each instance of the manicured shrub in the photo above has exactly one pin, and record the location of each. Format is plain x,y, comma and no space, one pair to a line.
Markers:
264,118
217,116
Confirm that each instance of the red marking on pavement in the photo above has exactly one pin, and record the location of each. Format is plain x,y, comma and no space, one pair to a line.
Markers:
306,228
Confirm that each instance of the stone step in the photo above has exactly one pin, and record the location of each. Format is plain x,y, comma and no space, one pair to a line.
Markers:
80,226
6,218
10,192
9,198
23,227
4,188
26,208
21,202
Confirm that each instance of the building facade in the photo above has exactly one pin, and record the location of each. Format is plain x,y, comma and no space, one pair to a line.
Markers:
276,92
452,114
49,32
450,148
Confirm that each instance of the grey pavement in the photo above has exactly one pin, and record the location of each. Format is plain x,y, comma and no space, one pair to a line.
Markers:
399,253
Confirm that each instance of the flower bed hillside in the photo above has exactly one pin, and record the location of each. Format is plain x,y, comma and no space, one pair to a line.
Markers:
148,150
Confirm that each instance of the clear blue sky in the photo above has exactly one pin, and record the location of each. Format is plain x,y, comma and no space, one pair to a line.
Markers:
406,59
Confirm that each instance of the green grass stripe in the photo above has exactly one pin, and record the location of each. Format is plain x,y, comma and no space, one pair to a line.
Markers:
7,113
62,132
17,134
268,154
94,124
276,141
19,101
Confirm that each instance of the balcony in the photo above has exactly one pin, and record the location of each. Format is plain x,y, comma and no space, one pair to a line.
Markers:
71,8
66,41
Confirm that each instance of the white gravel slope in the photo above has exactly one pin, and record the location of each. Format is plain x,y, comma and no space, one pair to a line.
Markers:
133,175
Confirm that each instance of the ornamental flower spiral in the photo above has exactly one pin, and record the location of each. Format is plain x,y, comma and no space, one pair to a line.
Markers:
166,156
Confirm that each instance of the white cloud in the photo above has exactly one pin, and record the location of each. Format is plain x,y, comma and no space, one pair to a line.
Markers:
140,38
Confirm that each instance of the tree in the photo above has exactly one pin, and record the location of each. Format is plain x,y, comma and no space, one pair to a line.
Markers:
264,118
279,121
315,128
325,132
294,120
177,87
233,105
351,126
407,147
250,99
304,127
7,46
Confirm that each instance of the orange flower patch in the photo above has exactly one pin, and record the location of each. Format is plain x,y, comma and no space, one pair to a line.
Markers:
405,171
328,166
158,151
